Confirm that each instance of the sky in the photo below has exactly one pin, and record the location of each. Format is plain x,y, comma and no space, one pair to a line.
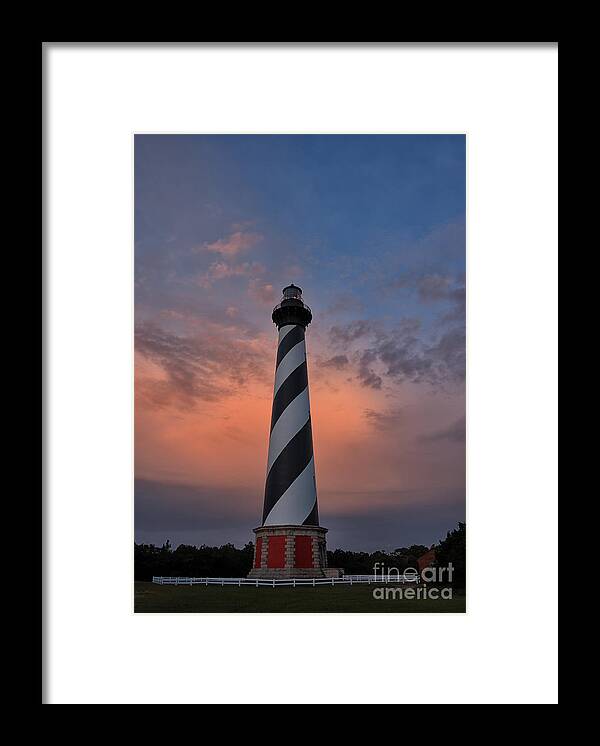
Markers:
373,230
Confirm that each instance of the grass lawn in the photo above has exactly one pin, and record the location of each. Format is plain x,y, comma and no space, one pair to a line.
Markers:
356,598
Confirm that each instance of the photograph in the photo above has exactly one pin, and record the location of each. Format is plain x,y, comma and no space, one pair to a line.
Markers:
299,372
300,351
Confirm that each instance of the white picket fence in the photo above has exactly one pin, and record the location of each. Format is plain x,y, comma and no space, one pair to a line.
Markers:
397,578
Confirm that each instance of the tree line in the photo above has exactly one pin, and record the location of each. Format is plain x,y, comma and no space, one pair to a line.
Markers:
228,561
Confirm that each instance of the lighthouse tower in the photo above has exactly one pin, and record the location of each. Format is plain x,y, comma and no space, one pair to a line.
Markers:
290,542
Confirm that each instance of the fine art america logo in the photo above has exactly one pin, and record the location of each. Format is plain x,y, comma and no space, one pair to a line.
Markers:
413,584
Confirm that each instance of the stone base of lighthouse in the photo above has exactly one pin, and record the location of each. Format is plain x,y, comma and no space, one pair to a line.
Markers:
290,552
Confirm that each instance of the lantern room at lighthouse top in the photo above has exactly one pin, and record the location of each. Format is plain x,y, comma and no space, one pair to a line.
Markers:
292,291
292,309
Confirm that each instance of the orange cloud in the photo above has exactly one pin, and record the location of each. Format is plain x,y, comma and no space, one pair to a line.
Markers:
371,450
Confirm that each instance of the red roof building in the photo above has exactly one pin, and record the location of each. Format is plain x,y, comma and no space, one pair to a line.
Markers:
426,560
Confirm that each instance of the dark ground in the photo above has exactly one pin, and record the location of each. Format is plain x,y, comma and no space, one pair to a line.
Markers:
357,598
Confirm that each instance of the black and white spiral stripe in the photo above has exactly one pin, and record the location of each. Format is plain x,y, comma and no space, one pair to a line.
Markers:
290,492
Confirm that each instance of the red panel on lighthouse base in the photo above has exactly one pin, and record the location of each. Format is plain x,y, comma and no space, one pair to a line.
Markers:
304,557
276,554
291,552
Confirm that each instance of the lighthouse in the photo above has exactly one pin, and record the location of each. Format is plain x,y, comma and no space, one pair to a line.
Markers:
290,542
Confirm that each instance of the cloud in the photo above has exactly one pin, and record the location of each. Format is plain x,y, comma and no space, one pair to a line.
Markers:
406,358
365,372
338,362
221,270
458,310
207,365
348,333
261,291
455,433
448,356
432,288
384,420
233,245
435,288
400,354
